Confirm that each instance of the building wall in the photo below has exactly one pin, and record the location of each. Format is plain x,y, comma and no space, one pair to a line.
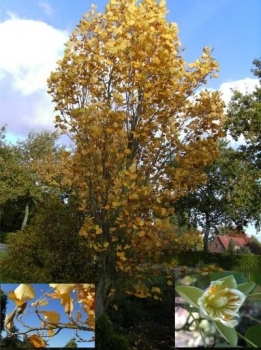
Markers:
216,247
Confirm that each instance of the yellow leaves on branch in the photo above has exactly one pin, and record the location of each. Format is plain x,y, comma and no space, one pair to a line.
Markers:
50,319
86,297
36,341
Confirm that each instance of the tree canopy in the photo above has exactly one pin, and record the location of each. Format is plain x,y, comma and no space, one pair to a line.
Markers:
244,119
129,101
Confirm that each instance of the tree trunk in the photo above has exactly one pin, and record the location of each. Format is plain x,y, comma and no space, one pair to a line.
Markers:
26,214
101,295
207,232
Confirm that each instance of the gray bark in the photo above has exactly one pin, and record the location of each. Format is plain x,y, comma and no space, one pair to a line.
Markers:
101,295
207,231
26,214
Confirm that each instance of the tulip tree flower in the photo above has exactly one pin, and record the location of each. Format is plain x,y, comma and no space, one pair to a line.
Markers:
220,302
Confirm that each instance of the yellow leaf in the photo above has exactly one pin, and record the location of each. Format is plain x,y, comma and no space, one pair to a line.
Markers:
91,321
13,297
63,288
121,255
50,332
24,292
156,290
118,97
68,307
134,196
115,307
42,302
141,222
163,211
132,168
133,176
79,316
142,233
53,295
51,316
169,283
127,151
98,230
116,204
36,341
9,323
105,244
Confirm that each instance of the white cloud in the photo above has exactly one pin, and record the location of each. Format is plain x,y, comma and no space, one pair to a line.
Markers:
47,8
246,85
29,51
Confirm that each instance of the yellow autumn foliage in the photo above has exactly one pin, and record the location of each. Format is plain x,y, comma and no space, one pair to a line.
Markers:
127,98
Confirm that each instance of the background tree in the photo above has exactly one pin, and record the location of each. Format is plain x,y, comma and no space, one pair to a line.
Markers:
11,342
71,344
244,250
127,98
231,246
254,245
3,302
50,248
229,198
244,119
24,169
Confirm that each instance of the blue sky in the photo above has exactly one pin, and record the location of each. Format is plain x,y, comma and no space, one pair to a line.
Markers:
33,33
63,336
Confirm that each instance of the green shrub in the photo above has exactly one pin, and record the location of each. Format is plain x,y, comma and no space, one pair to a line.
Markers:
49,249
5,236
107,338
229,262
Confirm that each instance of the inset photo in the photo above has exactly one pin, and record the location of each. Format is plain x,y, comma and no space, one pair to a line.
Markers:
218,309
47,315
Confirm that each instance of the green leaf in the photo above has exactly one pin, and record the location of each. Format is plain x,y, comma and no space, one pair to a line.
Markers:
246,288
229,334
239,276
190,294
255,295
225,346
229,281
255,277
253,334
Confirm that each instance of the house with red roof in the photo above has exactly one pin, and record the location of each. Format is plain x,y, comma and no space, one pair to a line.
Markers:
220,243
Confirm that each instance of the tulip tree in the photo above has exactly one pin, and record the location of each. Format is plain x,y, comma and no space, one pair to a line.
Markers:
127,98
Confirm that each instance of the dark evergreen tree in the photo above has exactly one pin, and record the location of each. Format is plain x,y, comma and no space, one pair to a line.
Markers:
231,247
3,302
71,343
